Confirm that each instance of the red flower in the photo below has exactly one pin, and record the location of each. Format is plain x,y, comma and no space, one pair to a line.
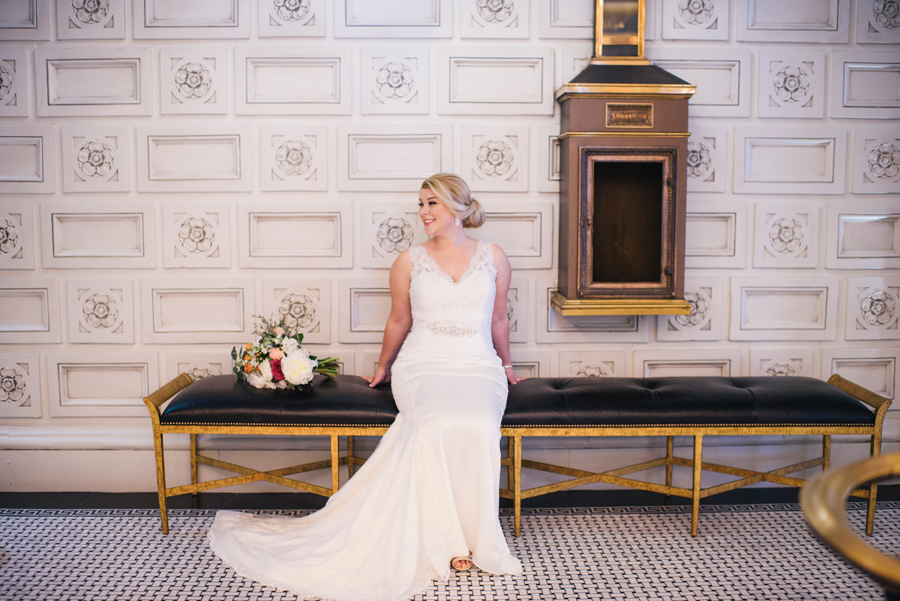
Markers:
277,374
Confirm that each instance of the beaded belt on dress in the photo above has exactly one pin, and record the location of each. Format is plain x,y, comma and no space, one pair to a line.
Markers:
451,330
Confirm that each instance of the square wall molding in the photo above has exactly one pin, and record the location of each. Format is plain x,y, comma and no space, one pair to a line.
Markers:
96,158
710,23
496,81
687,361
299,234
786,235
17,234
707,159
177,19
395,80
76,81
790,160
389,228
29,311
723,81
392,158
524,230
566,19
591,364
551,327
496,159
715,234
294,157
101,384
304,304
187,310
28,159
84,21
479,19
791,84
814,21
100,311
876,161
873,308
407,19
874,368
194,158
875,23
193,80
864,85
279,81
197,234
26,20
783,308
198,364
95,235
864,236
20,395
15,93
278,19
364,305
709,308
783,362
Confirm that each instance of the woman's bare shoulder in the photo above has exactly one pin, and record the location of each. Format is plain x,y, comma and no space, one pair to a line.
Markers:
403,263
499,255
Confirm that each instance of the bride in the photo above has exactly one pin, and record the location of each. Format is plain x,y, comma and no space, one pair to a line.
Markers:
426,500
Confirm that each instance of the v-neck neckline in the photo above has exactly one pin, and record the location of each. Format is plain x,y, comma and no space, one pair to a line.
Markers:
441,271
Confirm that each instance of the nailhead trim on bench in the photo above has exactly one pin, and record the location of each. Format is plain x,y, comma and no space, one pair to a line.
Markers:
536,426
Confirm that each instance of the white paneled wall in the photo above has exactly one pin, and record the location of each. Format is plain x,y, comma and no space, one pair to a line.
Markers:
168,169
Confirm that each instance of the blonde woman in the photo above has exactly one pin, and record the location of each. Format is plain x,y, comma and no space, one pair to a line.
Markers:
426,500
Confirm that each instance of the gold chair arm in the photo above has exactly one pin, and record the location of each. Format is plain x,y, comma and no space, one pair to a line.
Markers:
855,390
166,392
823,499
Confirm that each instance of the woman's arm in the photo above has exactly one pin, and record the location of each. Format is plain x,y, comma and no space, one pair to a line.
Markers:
399,321
500,319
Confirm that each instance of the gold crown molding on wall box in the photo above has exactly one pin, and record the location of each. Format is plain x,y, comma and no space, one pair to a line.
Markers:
618,306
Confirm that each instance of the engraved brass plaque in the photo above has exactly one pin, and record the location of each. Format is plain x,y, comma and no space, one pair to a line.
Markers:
629,115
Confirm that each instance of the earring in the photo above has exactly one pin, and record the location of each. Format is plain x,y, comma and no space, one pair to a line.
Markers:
456,222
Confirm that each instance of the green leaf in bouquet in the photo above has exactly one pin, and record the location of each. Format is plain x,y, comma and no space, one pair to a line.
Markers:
328,367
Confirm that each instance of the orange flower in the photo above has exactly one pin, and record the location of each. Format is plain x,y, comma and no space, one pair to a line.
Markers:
248,368
249,346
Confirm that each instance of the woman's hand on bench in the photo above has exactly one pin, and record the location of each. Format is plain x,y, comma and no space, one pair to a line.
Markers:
382,376
511,376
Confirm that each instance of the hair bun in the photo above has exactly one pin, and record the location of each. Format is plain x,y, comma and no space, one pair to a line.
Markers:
476,215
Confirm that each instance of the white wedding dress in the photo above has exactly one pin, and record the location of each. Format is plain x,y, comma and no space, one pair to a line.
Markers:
429,490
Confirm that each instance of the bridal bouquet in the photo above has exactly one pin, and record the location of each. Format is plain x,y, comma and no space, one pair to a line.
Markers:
276,359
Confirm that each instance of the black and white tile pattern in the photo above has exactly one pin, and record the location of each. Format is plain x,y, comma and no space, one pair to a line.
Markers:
743,552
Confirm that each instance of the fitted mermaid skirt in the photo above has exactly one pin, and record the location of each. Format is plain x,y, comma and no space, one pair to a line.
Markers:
427,493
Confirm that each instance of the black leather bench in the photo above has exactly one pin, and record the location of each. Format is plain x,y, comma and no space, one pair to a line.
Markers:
689,406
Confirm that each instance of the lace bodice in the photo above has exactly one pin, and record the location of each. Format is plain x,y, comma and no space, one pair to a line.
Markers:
451,318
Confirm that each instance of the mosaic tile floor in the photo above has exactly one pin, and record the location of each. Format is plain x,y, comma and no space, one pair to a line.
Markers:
743,552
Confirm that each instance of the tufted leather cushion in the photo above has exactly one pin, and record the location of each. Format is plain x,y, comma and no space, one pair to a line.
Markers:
682,401
225,400
572,402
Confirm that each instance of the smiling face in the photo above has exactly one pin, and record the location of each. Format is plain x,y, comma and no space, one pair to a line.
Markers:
434,214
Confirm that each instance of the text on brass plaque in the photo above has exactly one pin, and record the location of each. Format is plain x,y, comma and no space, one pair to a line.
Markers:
629,115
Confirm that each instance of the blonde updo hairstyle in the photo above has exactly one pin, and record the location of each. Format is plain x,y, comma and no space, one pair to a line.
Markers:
453,192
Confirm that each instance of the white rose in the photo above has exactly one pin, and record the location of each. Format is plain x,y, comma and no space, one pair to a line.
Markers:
266,371
298,367
255,380
290,345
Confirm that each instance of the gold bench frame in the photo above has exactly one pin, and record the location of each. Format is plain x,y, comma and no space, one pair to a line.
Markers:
278,476
514,460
